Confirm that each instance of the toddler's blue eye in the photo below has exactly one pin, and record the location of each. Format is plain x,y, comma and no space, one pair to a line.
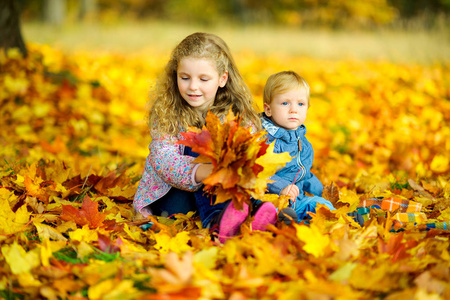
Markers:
301,104
284,103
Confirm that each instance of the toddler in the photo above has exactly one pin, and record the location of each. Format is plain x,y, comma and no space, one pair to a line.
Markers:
286,103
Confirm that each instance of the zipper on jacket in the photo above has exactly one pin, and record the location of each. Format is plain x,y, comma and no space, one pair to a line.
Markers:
299,161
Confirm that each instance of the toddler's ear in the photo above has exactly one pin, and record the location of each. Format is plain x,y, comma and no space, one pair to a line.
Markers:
223,79
267,110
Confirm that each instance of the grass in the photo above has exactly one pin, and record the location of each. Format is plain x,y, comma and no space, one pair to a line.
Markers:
399,46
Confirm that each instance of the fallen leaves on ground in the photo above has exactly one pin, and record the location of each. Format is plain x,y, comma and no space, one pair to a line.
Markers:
73,145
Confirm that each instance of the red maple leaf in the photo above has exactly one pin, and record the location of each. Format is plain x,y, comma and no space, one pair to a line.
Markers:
87,215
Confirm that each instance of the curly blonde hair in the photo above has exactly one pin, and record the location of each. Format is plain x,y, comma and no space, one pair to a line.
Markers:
170,113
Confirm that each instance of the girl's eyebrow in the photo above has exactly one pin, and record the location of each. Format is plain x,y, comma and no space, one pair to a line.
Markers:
199,75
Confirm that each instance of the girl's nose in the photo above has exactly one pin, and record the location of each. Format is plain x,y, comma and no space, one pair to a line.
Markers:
193,85
293,109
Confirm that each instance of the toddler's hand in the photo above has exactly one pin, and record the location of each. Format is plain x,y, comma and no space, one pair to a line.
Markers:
291,190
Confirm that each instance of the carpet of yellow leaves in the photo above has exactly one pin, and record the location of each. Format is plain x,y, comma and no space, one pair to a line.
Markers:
73,143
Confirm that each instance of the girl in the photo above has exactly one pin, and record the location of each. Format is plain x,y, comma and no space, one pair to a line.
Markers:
201,75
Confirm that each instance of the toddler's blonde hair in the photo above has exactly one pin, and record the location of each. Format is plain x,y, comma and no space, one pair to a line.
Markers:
282,82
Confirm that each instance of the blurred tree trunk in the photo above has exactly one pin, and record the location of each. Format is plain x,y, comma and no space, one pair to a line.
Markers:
10,33
239,9
88,10
55,11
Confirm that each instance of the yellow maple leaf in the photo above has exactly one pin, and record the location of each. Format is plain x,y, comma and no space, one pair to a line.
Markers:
271,161
316,243
207,257
134,234
84,234
27,280
350,197
114,289
48,232
19,260
11,222
166,243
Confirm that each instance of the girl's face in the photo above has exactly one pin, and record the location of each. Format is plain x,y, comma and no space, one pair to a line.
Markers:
288,110
198,81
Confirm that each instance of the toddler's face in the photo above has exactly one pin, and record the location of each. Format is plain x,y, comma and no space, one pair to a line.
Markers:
198,81
288,110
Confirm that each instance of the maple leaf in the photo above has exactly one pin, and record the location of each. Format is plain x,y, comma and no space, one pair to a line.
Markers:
111,180
18,259
48,232
87,215
242,161
350,198
11,222
166,243
106,245
36,190
331,193
396,247
316,243
177,275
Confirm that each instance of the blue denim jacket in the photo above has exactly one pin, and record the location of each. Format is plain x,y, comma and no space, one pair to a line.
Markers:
288,141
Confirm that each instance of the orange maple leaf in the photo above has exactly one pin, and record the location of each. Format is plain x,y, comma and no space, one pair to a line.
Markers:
36,189
241,161
87,215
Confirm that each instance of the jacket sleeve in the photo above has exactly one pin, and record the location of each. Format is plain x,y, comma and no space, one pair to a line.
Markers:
313,185
172,167
278,184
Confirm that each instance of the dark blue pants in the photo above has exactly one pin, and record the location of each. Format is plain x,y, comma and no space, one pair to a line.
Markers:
176,201
180,201
205,202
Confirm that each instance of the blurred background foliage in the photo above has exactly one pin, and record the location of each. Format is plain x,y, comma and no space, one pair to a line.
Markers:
336,14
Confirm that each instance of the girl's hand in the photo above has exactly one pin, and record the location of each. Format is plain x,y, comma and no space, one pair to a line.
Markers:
291,190
203,171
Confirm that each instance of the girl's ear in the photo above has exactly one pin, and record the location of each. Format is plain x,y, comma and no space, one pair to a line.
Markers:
223,79
267,110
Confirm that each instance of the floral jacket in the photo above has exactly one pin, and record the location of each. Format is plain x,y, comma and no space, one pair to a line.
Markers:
166,166
299,168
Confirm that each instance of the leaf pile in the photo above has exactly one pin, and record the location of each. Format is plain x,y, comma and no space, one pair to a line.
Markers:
73,146
242,161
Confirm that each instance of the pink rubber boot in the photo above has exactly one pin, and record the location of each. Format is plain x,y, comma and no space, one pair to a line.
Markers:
231,221
265,215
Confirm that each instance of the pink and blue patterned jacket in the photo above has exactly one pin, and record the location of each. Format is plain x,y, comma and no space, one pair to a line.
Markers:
166,166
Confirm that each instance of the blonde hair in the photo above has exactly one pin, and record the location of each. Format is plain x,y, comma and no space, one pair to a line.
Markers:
283,82
170,113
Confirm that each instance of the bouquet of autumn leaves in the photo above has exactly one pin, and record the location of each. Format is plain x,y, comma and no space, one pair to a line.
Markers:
242,161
